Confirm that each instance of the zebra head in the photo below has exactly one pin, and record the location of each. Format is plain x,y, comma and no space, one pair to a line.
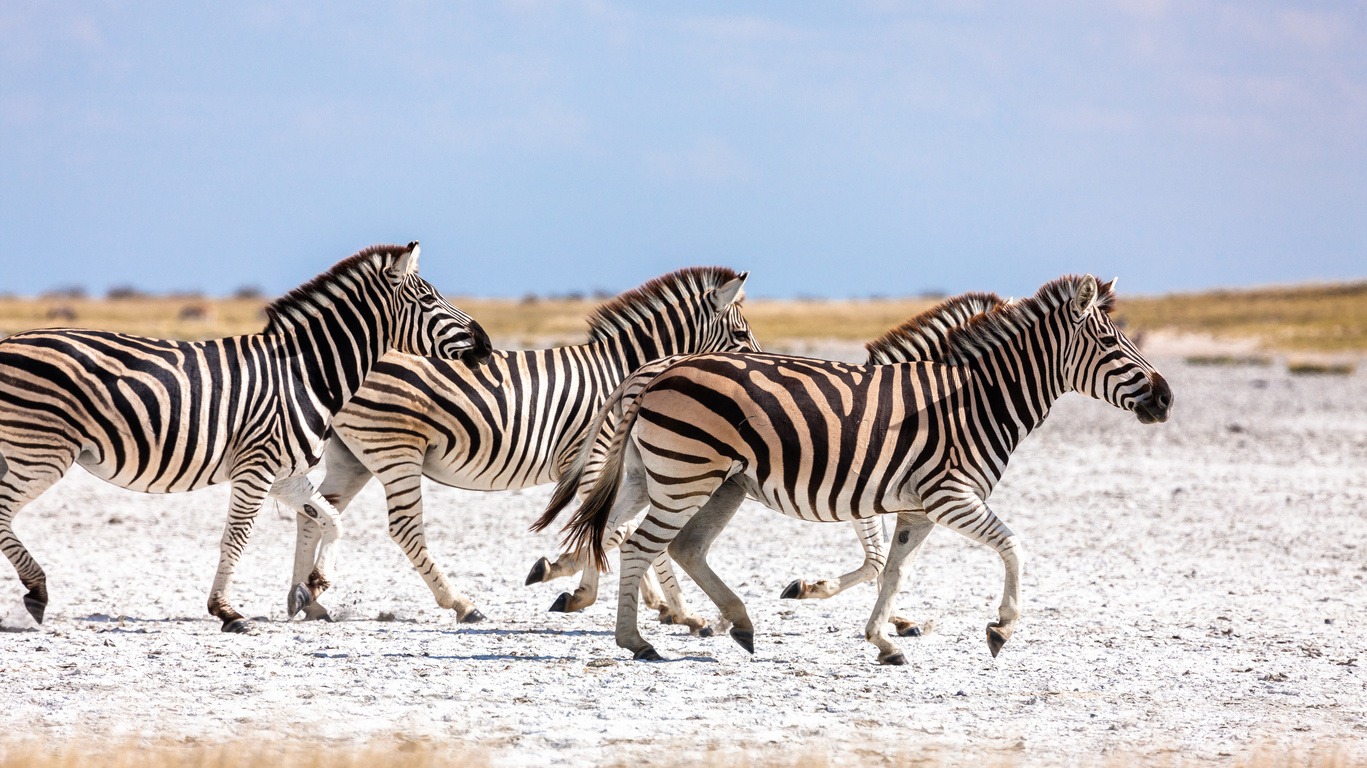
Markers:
722,327
1101,362
426,324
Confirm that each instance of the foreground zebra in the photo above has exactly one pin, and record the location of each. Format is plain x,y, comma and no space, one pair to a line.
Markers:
162,416
924,337
827,441
515,422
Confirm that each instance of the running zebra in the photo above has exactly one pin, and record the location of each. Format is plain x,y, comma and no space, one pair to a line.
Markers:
513,423
163,416
827,441
922,338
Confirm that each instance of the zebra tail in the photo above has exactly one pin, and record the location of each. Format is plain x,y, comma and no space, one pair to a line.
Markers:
585,531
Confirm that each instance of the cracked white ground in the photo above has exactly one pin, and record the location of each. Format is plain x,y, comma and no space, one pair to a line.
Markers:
1196,588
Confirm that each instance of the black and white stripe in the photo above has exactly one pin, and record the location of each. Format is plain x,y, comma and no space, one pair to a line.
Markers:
924,337
516,421
824,441
164,416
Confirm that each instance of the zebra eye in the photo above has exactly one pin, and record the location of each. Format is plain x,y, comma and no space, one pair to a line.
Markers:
1108,340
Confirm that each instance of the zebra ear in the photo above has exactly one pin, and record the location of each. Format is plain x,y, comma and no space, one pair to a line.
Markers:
1086,295
407,263
729,292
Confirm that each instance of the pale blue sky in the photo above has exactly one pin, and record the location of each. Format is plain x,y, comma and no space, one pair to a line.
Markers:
832,149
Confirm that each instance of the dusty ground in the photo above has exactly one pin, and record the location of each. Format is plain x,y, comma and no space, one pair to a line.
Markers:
1195,590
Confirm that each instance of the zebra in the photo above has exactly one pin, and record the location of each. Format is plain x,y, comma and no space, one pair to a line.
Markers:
829,441
924,337
165,416
515,422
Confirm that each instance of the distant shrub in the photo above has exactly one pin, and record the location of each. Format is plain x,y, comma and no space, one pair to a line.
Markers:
197,312
248,292
124,293
1309,368
61,312
75,292
1213,360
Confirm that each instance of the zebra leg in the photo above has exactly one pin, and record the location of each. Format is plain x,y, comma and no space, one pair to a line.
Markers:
249,493
907,541
22,481
672,606
870,532
311,578
631,498
970,516
690,548
345,477
403,492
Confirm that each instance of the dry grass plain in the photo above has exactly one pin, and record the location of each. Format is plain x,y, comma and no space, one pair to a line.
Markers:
1310,318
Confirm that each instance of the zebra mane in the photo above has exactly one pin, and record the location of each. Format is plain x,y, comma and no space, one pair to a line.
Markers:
988,330
308,294
625,311
924,337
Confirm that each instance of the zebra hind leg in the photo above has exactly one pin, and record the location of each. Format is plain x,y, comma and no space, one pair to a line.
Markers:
345,477
22,481
323,526
690,548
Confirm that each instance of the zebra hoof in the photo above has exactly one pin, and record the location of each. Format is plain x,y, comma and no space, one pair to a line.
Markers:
793,591
538,573
745,638
996,638
316,612
706,632
894,660
562,603
666,617
647,654
238,626
907,628
36,605
299,598
473,617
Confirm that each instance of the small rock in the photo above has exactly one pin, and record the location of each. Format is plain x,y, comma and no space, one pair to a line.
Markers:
602,663
386,616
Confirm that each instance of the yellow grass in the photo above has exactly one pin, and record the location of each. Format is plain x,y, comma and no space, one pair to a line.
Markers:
1313,318
404,753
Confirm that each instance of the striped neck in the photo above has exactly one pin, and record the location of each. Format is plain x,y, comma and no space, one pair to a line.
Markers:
334,334
1020,378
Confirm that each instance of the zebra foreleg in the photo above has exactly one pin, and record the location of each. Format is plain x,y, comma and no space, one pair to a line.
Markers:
322,526
345,477
907,541
249,492
403,492
870,535
970,516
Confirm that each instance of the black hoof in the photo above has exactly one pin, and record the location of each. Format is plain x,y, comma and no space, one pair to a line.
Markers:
238,626
907,628
895,660
538,573
36,606
996,638
665,618
745,637
647,654
793,591
706,632
316,612
299,599
473,617
562,603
